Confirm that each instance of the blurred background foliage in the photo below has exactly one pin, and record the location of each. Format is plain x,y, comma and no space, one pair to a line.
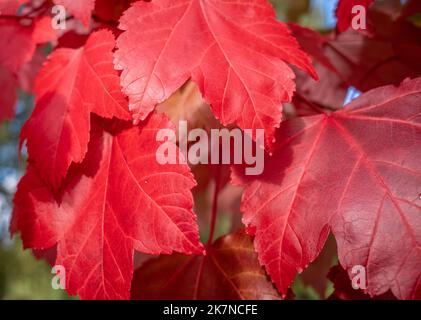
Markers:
22,276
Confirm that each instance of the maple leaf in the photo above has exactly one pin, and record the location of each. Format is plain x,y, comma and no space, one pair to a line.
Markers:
367,63
8,85
81,9
71,85
330,91
361,166
18,71
17,38
93,193
344,12
327,94
229,271
236,52
313,43
119,199
22,39
29,71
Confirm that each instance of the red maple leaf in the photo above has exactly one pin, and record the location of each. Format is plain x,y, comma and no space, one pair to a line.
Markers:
22,41
94,194
17,38
29,71
8,85
330,91
71,85
237,53
119,199
360,166
367,63
229,271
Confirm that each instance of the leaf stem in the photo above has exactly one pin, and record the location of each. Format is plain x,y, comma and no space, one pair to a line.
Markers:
215,205
212,228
